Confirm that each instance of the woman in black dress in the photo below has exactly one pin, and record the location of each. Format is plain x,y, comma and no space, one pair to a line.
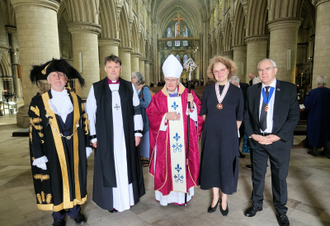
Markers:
222,110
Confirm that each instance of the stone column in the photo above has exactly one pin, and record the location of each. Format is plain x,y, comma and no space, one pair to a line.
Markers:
85,44
107,47
322,47
125,57
142,67
37,35
256,51
135,62
147,72
240,60
228,54
152,74
283,46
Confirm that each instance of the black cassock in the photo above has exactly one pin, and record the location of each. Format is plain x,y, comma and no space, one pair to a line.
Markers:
63,184
104,165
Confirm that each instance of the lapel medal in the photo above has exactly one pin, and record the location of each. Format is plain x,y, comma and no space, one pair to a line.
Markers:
266,108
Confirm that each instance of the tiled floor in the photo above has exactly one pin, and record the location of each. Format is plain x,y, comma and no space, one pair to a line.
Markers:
308,185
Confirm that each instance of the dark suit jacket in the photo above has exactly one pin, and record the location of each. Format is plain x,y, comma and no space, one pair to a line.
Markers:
285,117
244,87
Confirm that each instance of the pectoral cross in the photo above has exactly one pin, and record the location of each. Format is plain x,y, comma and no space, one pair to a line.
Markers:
117,107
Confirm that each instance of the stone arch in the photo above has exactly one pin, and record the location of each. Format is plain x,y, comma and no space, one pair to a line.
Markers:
83,11
5,65
141,45
257,18
283,9
135,42
239,30
227,35
124,28
108,19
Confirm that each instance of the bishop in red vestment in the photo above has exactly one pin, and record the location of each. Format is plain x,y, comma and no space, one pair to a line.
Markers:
167,114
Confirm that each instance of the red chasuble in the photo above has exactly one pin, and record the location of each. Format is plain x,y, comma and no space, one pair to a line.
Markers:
161,169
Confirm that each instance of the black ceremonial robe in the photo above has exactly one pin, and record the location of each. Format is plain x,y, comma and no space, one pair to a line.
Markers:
104,165
63,184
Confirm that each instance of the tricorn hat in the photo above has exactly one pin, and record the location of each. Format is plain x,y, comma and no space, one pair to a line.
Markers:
40,72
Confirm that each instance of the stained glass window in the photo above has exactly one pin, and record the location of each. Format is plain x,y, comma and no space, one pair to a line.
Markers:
185,58
169,43
177,43
185,43
176,29
177,57
169,32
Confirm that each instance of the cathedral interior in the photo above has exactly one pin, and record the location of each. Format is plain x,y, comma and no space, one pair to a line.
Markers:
293,33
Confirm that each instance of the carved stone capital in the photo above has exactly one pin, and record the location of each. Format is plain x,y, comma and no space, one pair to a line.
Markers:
293,22
125,49
11,29
83,27
109,42
256,38
53,5
135,55
319,2
4,47
239,48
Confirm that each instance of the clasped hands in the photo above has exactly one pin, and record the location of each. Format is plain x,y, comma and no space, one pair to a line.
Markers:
265,140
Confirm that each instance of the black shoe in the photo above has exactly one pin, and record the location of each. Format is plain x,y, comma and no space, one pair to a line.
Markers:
59,223
282,220
79,219
224,212
212,209
241,155
249,166
312,153
251,212
113,211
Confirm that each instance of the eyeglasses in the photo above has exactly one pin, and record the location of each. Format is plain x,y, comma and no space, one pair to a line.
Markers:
171,80
219,72
267,69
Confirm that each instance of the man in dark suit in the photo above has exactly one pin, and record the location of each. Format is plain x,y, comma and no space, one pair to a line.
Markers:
243,86
270,117
251,76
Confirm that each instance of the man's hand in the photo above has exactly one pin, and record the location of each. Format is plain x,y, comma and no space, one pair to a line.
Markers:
172,116
265,140
137,140
190,99
94,144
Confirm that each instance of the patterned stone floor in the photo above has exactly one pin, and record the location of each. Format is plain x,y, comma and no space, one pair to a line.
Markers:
308,186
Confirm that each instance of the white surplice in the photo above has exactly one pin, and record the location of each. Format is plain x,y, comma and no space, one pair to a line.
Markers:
123,197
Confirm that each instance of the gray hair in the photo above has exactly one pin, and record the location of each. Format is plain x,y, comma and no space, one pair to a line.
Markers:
234,79
273,62
321,80
139,78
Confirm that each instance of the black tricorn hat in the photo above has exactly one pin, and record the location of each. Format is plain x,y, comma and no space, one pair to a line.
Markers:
40,72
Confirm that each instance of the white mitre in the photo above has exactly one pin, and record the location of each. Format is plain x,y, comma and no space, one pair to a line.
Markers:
172,67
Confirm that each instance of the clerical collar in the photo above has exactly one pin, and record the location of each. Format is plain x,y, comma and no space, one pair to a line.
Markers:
173,93
113,82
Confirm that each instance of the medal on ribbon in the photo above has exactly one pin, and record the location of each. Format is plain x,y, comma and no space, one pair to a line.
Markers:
222,96
265,99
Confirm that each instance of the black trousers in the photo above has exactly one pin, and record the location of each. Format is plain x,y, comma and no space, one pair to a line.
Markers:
279,165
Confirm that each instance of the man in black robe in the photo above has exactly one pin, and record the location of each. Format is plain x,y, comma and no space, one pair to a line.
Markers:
59,143
116,127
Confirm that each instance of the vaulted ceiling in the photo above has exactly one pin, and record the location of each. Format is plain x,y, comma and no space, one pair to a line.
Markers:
193,11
